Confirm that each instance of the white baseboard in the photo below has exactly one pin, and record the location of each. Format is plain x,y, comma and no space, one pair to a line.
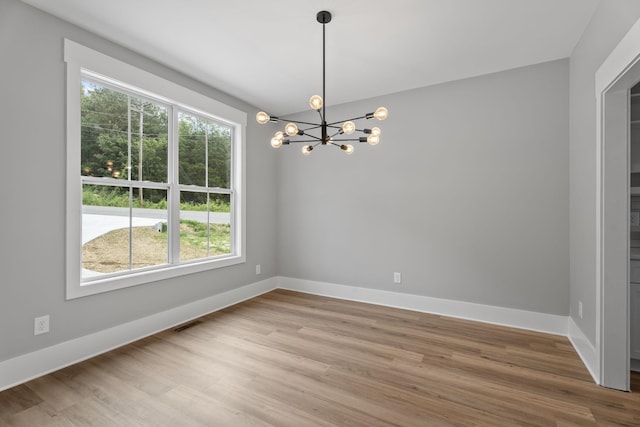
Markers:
32,365
585,349
635,365
35,364
541,322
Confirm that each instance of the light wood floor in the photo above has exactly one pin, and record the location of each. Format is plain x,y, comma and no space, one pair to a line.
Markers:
290,359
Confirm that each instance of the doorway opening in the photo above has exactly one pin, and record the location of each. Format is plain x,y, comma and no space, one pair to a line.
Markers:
614,80
634,228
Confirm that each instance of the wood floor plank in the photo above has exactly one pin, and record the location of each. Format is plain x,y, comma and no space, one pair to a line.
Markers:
96,413
342,341
204,408
40,415
56,393
20,399
249,399
294,359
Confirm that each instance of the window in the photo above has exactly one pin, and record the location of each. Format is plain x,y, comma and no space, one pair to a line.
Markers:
155,179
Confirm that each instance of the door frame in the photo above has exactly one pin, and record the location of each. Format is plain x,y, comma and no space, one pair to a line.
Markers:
617,74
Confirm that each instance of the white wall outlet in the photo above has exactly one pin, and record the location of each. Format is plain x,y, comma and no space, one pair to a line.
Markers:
41,325
397,277
258,269
580,309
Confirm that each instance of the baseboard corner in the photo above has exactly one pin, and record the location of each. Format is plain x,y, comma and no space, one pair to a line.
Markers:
585,349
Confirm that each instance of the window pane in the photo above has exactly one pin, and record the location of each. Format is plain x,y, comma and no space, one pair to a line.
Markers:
219,154
192,134
205,229
109,227
104,131
110,144
149,232
220,224
205,152
149,135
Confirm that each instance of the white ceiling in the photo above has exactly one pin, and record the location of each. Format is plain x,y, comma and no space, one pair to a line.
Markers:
269,53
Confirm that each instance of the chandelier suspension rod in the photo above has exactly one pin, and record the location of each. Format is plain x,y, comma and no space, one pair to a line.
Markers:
324,73
324,136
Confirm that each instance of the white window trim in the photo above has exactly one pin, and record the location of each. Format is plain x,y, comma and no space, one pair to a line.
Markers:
77,58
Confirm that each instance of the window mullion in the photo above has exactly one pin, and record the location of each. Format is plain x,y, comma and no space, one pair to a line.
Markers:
129,175
232,194
174,189
129,137
206,184
126,183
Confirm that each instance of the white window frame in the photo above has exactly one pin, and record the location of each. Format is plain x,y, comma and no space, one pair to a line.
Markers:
79,58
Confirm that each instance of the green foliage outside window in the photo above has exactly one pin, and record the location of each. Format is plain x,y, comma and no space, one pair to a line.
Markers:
111,120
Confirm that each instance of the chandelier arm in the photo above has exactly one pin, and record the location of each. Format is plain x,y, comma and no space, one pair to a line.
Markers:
346,120
318,140
312,128
298,122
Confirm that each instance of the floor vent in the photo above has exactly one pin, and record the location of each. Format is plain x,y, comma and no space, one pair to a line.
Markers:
187,326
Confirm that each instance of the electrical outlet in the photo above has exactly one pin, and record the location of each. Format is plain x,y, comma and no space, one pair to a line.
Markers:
397,277
258,269
580,309
41,325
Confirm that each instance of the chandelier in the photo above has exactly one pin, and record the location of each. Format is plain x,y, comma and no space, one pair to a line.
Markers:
332,133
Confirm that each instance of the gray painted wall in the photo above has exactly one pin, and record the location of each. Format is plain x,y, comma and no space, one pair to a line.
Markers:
32,120
610,22
466,195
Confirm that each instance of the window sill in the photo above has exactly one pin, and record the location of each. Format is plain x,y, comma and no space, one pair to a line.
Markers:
144,276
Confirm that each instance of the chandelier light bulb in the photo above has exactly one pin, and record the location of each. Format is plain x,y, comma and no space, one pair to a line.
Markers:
376,131
381,113
373,139
349,127
279,135
347,148
316,102
291,129
262,117
306,150
276,142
